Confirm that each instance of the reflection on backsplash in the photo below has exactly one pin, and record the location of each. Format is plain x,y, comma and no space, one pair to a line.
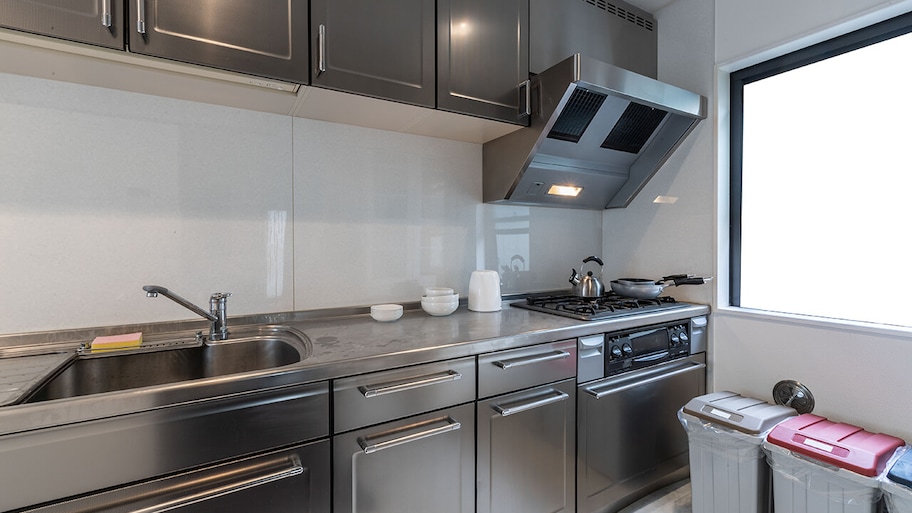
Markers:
287,214
511,241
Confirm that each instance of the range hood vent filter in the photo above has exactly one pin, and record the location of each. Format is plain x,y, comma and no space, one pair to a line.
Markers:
576,116
635,126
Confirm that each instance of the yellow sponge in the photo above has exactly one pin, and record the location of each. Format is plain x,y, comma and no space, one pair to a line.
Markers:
117,342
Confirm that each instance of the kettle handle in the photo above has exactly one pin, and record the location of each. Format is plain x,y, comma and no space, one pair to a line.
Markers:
595,259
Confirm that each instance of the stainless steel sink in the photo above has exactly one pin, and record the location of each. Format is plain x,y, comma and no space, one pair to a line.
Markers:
175,358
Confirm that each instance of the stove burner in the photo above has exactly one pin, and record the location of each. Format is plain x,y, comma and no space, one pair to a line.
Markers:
587,309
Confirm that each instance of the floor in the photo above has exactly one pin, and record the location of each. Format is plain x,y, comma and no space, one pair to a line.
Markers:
674,498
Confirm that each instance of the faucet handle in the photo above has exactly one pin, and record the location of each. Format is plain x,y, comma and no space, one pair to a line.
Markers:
220,295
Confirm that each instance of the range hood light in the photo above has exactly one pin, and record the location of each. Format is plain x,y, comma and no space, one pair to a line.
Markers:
565,190
667,200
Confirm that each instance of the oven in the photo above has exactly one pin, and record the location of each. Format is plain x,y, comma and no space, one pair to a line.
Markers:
631,384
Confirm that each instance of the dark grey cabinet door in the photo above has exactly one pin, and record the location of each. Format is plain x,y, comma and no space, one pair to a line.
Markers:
98,22
260,37
376,48
483,58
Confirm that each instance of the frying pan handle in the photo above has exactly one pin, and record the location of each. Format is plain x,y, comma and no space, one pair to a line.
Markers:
595,259
682,279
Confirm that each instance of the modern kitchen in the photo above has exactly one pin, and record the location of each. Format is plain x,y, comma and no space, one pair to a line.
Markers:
138,180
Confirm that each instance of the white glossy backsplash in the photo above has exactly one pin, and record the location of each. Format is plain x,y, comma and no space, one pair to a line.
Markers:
104,191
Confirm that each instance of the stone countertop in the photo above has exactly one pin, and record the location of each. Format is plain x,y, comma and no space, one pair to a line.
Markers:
341,346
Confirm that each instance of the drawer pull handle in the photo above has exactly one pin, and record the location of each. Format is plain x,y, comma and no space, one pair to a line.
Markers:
409,384
369,448
554,396
529,360
294,469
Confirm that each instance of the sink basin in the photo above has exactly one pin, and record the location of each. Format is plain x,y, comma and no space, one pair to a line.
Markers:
248,348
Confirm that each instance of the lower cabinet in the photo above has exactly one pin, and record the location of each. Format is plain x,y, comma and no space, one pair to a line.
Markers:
527,450
420,464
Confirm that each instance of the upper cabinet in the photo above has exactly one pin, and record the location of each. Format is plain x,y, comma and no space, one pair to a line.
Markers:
383,48
483,58
97,22
266,38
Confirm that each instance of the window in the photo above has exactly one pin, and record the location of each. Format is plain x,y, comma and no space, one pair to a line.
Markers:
821,178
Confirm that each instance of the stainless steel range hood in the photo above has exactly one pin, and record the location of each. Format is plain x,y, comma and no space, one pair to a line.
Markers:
596,129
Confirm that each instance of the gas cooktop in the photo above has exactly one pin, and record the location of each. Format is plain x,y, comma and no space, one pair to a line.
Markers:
607,306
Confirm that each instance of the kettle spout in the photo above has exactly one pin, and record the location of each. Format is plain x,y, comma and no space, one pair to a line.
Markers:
574,277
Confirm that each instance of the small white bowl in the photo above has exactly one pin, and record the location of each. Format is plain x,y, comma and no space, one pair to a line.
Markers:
441,299
440,309
386,313
438,291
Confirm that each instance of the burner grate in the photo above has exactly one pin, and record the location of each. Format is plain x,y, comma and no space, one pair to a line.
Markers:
606,306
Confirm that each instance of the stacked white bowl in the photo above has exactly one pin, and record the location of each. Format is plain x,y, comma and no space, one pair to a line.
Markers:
439,301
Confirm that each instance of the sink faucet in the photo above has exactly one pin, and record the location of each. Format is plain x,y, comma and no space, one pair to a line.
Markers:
218,329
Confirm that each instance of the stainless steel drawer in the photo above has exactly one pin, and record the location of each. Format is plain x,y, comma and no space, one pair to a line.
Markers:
382,396
295,479
516,369
89,456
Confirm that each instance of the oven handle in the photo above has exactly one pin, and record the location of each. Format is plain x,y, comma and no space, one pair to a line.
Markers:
681,369
295,468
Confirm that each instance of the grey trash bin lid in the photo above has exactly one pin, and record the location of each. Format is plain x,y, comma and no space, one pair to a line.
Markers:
734,411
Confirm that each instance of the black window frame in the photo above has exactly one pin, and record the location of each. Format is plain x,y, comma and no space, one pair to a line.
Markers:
872,34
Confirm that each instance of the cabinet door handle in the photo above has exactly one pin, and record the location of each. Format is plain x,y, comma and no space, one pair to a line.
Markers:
687,367
529,360
450,425
106,13
525,93
141,16
213,492
408,384
554,396
321,48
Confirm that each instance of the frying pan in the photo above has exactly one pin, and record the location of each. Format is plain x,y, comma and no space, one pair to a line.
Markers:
641,288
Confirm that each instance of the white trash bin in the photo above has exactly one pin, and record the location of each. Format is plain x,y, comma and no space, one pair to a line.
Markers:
728,470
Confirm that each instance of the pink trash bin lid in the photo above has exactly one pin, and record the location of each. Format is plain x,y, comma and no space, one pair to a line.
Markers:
842,445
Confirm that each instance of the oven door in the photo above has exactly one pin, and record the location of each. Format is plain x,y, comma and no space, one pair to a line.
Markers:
630,441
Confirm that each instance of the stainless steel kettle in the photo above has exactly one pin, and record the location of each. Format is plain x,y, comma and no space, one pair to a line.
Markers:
588,285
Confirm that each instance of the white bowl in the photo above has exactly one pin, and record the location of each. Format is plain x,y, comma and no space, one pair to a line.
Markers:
386,313
441,299
440,309
438,291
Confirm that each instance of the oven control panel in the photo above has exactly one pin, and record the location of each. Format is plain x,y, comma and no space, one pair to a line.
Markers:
646,346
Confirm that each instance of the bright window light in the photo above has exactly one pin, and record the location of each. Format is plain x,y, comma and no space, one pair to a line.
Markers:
826,179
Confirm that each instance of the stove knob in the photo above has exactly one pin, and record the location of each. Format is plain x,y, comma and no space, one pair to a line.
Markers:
627,349
684,337
615,352
675,340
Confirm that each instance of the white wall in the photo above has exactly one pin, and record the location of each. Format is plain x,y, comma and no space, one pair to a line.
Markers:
857,374
650,240
105,191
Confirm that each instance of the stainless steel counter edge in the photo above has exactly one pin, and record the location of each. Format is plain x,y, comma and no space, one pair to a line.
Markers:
342,346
